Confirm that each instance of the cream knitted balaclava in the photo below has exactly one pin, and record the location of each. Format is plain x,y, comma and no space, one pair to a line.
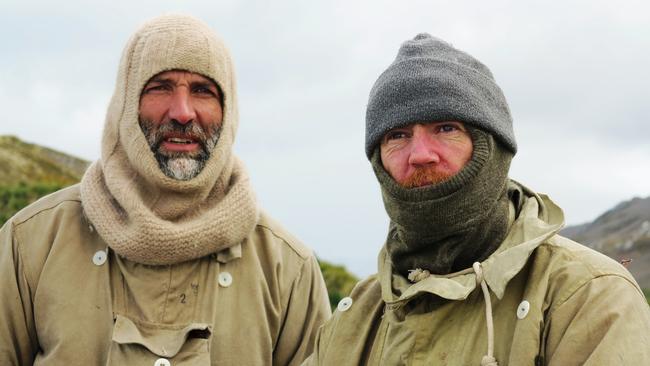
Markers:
142,214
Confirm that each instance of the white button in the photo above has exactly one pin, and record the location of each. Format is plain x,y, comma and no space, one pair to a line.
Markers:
522,309
225,279
344,304
162,362
99,258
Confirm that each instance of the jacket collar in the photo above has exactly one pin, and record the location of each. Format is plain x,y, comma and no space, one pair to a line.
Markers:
228,254
538,220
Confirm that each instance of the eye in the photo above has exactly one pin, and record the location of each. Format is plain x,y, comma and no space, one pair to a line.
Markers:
448,127
155,87
203,90
395,135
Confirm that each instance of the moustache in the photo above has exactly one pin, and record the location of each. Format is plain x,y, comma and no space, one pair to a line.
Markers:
191,132
425,176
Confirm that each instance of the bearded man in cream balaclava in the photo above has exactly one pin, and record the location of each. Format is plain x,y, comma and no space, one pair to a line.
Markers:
147,215
473,271
177,263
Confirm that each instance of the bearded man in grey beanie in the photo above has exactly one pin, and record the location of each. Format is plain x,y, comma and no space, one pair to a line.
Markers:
473,271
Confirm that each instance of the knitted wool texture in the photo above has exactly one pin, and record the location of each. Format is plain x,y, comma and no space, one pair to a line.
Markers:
430,80
142,214
447,226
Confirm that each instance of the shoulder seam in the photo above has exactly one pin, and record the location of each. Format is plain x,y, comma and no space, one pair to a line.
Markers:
594,271
290,245
587,281
27,272
20,222
288,292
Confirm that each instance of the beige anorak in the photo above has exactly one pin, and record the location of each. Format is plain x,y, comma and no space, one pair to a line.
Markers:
68,300
554,302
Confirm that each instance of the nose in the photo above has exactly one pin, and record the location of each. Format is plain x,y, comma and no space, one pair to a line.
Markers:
181,108
423,148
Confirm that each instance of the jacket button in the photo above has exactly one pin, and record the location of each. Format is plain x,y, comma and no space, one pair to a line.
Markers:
99,258
162,362
522,309
225,279
344,304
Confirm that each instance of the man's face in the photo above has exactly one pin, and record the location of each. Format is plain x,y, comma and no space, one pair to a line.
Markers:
181,115
421,154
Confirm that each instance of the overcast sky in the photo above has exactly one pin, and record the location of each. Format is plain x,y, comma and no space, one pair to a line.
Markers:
576,75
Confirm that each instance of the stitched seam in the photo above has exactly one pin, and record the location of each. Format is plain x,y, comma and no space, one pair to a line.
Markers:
286,296
16,224
26,272
289,244
569,296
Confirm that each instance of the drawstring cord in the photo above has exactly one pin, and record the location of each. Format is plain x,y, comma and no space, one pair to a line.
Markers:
419,274
488,360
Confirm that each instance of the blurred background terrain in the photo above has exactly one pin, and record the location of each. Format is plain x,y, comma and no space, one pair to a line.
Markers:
29,171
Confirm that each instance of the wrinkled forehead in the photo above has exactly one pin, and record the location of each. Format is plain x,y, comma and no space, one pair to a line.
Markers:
471,129
428,124
177,76
410,125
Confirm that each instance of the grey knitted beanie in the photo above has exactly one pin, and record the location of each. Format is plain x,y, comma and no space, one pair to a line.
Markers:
429,81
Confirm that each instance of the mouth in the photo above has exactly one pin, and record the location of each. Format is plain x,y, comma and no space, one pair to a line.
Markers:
180,143
178,140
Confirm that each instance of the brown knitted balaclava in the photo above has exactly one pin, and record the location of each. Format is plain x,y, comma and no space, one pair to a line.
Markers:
445,227
140,212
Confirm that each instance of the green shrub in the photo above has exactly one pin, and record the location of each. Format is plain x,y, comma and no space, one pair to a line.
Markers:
14,198
338,280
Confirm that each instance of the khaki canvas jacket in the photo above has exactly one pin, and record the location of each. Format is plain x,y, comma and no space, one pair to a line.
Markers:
554,302
66,299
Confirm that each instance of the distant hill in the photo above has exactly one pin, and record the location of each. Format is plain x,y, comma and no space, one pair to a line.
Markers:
29,171
621,233
25,163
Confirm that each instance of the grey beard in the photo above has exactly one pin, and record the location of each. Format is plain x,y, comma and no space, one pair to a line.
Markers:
181,166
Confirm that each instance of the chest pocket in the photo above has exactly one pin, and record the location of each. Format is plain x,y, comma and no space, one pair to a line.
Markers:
139,343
